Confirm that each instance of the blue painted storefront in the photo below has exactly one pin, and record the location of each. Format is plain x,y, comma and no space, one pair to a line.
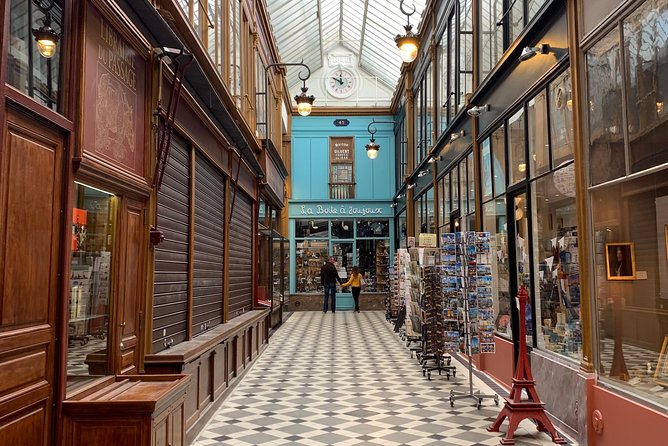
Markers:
310,175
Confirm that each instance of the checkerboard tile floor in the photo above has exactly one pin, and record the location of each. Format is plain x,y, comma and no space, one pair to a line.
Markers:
347,379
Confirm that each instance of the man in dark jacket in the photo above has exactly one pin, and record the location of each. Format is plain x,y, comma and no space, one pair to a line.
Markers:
328,278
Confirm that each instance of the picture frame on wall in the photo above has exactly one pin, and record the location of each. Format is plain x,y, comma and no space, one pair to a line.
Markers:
620,262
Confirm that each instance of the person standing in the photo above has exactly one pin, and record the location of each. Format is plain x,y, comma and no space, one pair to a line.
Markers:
328,278
355,282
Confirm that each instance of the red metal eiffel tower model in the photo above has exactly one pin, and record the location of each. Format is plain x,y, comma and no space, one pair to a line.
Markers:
515,408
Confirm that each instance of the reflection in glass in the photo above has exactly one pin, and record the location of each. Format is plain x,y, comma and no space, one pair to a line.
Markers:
342,229
495,222
632,315
373,228
516,19
311,228
463,192
401,222
471,183
491,36
499,160
486,173
522,256
310,255
606,136
561,119
446,198
373,257
454,191
430,214
646,51
516,159
93,224
343,258
556,278
539,145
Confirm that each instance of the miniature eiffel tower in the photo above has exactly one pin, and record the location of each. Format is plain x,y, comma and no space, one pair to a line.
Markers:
515,408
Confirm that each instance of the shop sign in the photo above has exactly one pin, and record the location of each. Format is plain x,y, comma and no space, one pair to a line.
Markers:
341,122
427,240
333,210
114,95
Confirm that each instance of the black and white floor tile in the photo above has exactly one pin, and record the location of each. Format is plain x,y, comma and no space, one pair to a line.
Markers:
347,379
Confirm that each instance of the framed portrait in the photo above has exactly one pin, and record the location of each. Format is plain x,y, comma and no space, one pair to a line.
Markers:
661,372
620,261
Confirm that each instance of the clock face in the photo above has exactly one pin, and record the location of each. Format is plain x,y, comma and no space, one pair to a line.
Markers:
340,82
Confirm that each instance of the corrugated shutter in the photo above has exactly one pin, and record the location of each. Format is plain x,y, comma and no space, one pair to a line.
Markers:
209,241
170,289
241,251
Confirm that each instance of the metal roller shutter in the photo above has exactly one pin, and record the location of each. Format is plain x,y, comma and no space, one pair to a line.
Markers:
209,241
241,252
170,289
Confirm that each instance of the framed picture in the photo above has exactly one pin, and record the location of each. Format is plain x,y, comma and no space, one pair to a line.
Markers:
661,373
620,262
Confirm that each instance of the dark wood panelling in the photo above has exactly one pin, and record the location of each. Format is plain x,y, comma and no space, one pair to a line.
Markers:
209,243
31,166
170,291
240,259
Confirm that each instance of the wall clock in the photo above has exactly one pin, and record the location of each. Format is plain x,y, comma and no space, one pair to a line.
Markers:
340,82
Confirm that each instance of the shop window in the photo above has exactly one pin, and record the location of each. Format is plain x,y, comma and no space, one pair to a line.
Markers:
495,221
539,147
311,228
465,67
419,121
445,90
373,228
343,229
604,87
463,188
555,252
630,224
403,230
517,163
93,229
471,182
447,207
428,112
430,212
561,119
646,83
310,255
491,35
499,160
27,70
341,168
454,191
373,258
401,145
486,168
343,258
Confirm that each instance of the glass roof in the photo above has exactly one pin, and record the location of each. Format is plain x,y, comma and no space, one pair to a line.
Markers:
308,29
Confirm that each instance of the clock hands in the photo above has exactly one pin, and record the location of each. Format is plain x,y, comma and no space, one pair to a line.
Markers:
338,79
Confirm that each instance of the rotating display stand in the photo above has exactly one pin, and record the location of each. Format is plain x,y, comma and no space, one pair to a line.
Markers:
469,315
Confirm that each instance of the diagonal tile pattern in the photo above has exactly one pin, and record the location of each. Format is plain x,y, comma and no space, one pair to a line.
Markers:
347,379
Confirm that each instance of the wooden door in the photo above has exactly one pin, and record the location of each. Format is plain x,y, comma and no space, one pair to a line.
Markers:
31,169
131,287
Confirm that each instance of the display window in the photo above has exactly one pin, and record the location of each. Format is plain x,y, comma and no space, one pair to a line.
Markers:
310,255
495,222
626,70
92,246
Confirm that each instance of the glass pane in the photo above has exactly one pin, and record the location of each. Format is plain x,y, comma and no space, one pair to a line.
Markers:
499,160
471,183
265,269
342,229
463,194
539,145
444,91
343,258
311,228
277,271
561,119
401,221
441,195
555,250
417,205
446,198
454,188
431,227
27,70
486,169
373,228
494,222
93,228
606,138
515,19
646,45
533,6
429,110
452,61
373,261
522,255
491,36
516,159
310,255
632,219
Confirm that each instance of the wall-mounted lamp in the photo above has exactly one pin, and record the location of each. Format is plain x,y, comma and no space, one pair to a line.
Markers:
393,205
372,147
410,186
400,196
529,51
477,109
455,136
409,43
423,173
434,159
45,36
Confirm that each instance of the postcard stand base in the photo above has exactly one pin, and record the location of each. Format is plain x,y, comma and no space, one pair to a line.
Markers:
477,396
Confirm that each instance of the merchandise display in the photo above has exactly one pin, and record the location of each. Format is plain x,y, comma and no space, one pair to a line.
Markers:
309,258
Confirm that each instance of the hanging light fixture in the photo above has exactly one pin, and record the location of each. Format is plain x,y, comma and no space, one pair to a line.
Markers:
409,43
304,101
45,36
372,146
